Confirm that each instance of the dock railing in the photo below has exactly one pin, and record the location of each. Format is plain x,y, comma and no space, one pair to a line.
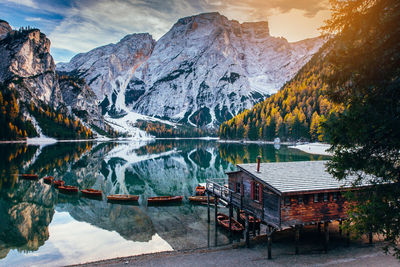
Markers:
219,188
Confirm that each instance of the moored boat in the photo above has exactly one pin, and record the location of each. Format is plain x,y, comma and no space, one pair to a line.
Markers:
30,176
48,179
251,220
58,183
89,192
200,190
201,199
127,198
223,220
68,189
164,199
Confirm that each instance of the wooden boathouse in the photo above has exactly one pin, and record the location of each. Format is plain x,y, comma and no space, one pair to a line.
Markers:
283,195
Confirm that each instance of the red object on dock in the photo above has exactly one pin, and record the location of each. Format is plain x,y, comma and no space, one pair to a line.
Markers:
164,199
48,179
123,198
223,220
58,183
30,176
200,190
200,199
92,192
68,189
251,220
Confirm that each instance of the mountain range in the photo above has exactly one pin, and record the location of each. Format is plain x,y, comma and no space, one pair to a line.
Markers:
205,70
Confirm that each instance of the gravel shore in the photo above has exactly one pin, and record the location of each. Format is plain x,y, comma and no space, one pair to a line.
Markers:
358,253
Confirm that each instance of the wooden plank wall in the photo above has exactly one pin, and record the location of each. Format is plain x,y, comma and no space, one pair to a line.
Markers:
270,199
296,213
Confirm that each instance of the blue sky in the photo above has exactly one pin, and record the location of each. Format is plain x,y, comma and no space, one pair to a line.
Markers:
76,26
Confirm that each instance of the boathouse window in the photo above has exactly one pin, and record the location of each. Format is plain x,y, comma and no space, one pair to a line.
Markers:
325,197
315,198
238,187
300,200
256,191
305,199
334,196
287,201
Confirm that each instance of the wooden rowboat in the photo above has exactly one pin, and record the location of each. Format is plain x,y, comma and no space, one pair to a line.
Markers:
91,192
201,199
30,176
200,190
251,220
164,199
223,220
58,183
48,179
68,189
127,198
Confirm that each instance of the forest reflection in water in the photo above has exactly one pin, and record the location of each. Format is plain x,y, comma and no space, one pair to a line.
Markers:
28,209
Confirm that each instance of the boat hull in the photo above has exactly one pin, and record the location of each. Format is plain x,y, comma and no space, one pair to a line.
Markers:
251,221
122,198
164,200
223,221
48,179
30,176
57,183
92,193
68,189
200,199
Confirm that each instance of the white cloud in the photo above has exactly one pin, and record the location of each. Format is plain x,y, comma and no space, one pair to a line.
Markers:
90,23
87,26
28,3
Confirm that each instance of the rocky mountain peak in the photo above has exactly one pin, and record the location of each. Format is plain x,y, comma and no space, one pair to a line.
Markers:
5,28
214,67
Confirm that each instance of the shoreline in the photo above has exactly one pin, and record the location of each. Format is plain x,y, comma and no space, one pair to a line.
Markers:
358,253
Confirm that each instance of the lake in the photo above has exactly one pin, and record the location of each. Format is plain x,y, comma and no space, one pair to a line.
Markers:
40,226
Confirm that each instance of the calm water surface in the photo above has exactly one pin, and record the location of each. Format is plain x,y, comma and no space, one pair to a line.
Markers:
39,226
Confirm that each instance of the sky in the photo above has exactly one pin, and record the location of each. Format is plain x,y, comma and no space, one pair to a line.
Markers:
76,26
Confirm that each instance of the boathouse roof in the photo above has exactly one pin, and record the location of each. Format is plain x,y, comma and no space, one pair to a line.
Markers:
300,176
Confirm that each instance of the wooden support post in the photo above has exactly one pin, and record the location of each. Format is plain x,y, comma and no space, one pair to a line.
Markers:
296,239
230,219
370,237
247,231
208,235
340,227
238,214
254,226
269,240
216,209
319,227
326,230
208,207
347,238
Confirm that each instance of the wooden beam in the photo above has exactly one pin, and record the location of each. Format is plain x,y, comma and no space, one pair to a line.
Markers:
254,226
247,231
326,230
238,214
230,219
215,209
296,238
208,207
269,240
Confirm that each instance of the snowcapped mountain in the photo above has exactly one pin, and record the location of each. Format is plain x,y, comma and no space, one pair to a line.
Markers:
204,70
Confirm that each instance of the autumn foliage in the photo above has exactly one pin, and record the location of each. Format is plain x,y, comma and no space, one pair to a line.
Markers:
294,112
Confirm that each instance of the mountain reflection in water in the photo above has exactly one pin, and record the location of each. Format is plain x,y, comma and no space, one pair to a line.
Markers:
28,209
